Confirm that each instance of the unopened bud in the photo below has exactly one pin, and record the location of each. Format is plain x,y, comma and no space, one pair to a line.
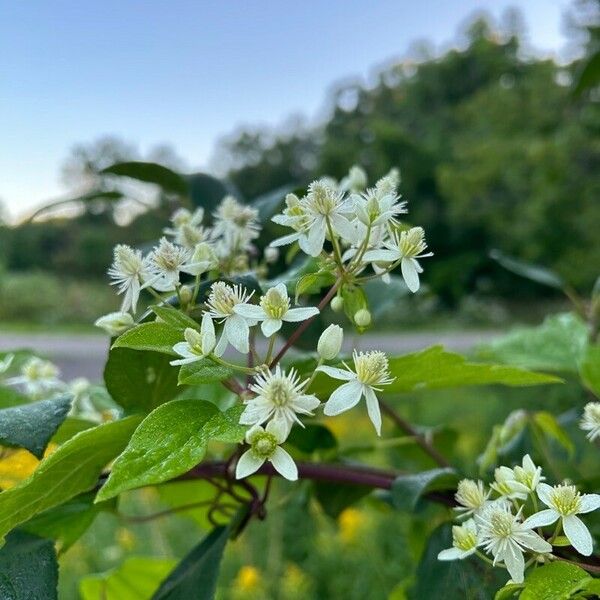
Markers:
185,294
362,317
330,342
271,254
337,304
115,323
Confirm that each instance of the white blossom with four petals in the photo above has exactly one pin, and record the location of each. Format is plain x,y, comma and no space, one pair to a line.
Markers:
197,345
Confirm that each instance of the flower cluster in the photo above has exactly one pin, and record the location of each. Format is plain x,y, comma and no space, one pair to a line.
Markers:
510,524
40,379
361,225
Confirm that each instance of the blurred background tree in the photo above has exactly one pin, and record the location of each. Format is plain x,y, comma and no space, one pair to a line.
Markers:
495,149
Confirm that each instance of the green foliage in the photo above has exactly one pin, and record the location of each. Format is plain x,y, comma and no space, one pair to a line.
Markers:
139,381
589,369
467,579
10,397
555,581
196,574
154,337
174,318
71,469
536,273
138,577
167,179
556,345
170,441
203,371
407,490
31,426
28,568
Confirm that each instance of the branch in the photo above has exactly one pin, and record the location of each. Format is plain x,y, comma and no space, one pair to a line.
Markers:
427,447
331,473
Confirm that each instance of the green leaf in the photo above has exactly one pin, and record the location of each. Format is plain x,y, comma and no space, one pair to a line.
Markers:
554,581
453,580
334,498
589,77
153,336
32,425
203,371
135,579
71,469
70,427
354,299
67,522
557,344
589,369
140,381
10,397
28,568
170,441
407,490
149,172
551,428
311,438
508,591
175,318
383,297
313,283
208,191
196,575
268,204
536,273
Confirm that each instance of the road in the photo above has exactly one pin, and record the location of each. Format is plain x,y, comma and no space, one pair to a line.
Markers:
84,355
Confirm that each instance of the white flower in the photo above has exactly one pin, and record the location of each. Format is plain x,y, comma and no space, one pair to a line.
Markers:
325,206
239,220
464,542
167,260
265,445
371,370
389,183
529,474
202,260
182,216
37,377
405,247
378,206
565,503
197,345
221,302
472,497
271,254
115,323
355,181
280,396
6,362
275,308
129,271
296,216
330,342
591,420
507,485
507,538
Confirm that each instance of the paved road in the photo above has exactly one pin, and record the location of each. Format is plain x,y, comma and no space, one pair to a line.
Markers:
84,355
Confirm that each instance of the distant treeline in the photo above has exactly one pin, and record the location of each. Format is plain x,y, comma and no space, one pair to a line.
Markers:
494,149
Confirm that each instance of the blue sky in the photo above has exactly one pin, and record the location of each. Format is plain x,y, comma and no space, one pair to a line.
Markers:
187,72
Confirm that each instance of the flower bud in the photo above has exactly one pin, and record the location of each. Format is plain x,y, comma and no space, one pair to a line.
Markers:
115,323
271,254
185,293
362,317
337,304
330,342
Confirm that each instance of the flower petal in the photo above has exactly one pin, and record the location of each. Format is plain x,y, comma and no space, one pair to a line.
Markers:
316,237
589,502
541,519
533,541
248,463
285,240
373,408
284,464
450,554
344,398
237,331
544,492
294,315
514,561
306,404
381,255
250,311
279,429
270,326
337,373
410,274
578,534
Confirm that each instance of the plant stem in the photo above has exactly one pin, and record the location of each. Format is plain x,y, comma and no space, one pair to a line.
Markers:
485,558
220,361
270,349
304,325
410,430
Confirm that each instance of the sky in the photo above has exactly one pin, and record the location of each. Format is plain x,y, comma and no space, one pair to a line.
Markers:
187,72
